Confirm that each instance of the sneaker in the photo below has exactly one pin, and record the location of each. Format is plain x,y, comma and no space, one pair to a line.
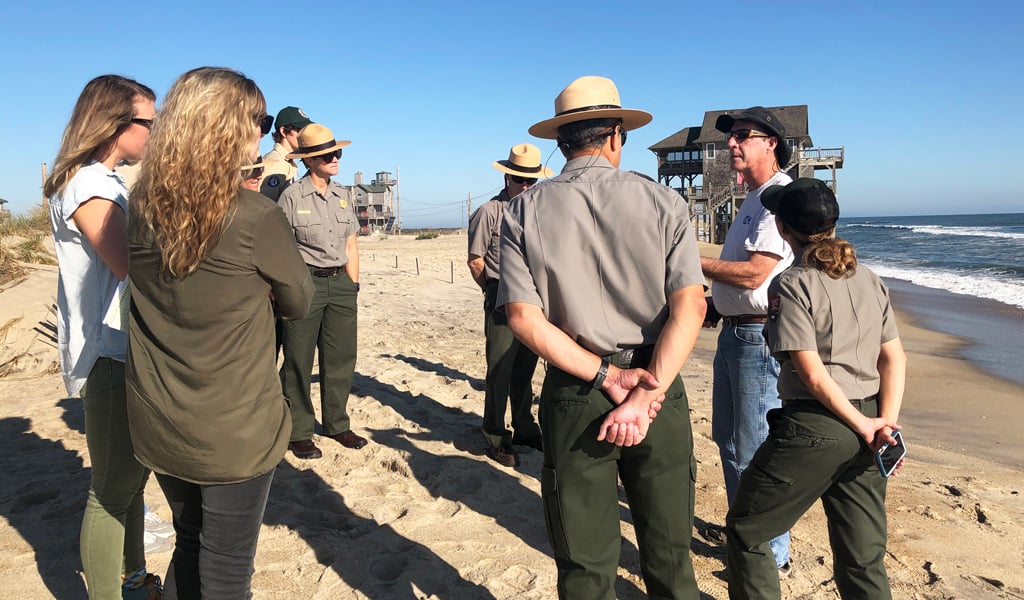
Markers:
786,570
153,544
504,455
157,526
151,589
714,534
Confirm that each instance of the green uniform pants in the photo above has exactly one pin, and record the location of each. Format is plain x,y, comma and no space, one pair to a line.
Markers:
810,454
330,328
580,492
510,367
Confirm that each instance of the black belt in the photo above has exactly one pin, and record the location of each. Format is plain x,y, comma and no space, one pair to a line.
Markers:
631,357
856,402
324,271
744,319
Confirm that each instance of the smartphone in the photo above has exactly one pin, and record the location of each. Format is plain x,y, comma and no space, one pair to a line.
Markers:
888,456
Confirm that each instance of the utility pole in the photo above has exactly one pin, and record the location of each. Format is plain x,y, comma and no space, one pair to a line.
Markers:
398,200
469,207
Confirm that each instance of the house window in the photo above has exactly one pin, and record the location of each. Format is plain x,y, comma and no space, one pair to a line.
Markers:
709,150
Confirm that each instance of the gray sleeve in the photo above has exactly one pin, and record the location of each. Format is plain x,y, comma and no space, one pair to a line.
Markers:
889,329
790,326
682,268
516,284
480,227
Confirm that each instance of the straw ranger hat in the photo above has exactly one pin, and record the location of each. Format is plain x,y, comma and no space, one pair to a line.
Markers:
524,161
589,97
256,163
314,140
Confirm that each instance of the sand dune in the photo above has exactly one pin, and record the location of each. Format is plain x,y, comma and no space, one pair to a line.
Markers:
422,513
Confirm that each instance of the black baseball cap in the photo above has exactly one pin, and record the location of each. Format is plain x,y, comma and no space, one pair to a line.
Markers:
765,119
806,205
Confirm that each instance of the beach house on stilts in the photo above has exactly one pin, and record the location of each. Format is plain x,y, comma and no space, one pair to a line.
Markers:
695,161
375,203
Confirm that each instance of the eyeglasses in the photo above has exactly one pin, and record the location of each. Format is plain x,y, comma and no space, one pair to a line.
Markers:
253,174
147,123
330,156
622,134
523,180
742,135
266,123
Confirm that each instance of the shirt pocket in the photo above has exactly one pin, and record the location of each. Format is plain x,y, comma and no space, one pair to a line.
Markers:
494,247
308,228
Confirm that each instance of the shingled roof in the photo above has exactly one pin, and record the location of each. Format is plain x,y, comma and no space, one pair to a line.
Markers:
680,139
794,118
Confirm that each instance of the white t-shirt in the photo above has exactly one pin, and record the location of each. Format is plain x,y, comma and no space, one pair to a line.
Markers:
753,230
85,286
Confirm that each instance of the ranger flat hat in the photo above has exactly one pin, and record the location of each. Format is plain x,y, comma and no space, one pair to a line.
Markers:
766,120
524,161
256,163
805,205
589,97
314,140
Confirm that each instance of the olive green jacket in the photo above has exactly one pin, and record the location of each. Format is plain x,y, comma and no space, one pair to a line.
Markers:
204,397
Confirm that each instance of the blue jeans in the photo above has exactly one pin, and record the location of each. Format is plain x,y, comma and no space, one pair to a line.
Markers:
745,389
217,527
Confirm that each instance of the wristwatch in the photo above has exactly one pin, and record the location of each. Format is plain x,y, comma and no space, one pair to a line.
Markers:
602,372
357,285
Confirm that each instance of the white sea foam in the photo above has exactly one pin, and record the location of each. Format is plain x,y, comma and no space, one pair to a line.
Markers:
986,232
977,285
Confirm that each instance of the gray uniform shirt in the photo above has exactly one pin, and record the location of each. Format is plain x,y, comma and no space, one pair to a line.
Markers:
845,320
599,250
322,223
485,233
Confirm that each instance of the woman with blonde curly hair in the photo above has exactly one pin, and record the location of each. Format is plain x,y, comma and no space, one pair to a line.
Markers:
88,214
832,329
204,402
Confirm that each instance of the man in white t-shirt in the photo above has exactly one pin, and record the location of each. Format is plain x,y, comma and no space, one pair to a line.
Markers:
754,252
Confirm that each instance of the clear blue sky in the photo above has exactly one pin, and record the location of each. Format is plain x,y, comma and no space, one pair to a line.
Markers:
925,96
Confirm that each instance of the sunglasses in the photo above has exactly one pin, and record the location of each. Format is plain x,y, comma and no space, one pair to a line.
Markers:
266,123
523,180
147,123
253,173
742,135
330,156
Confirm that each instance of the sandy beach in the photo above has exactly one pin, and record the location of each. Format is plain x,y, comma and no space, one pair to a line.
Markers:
422,513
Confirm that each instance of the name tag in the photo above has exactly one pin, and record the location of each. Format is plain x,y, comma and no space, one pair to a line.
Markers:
304,212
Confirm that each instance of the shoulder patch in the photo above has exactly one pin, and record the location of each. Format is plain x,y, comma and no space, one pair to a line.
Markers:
274,181
774,306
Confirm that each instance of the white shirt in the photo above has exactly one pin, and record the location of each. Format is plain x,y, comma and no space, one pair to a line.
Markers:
85,285
753,230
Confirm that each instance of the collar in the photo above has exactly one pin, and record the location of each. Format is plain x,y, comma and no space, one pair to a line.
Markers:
585,162
307,187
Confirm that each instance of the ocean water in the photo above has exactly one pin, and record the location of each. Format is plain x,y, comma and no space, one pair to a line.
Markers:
977,255
959,274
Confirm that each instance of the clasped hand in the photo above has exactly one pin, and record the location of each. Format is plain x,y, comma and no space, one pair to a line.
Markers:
636,392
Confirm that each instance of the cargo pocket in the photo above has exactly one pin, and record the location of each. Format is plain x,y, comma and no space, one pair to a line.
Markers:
553,513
